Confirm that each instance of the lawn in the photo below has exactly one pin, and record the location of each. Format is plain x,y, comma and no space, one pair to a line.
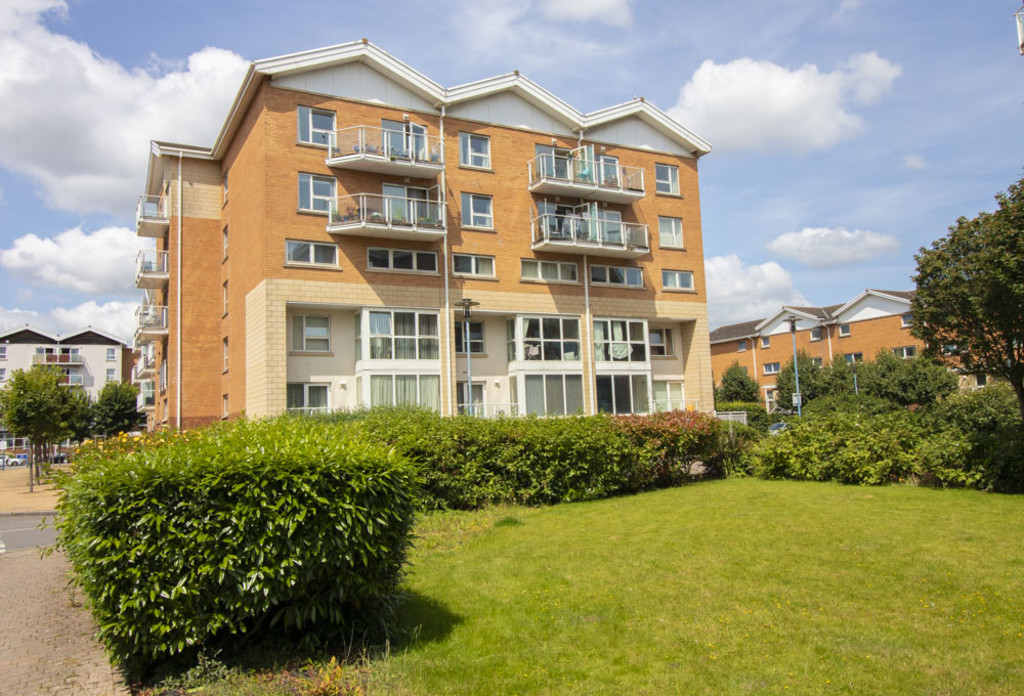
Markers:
727,587
730,587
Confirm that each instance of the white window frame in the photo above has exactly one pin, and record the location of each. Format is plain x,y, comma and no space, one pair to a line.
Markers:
393,376
536,348
225,297
672,388
475,261
905,352
673,281
478,396
549,271
741,346
635,336
669,183
766,342
224,406
472,219
111,374
225,242
301,338
3,374
627,273
307,187
559,382
476,346
907,320
853,357
670,232
814,333
632,379
844,330
419,340
665,342
290,245
111,353
468,157
772,368
817,362
305,123
414,255
306,386
227,352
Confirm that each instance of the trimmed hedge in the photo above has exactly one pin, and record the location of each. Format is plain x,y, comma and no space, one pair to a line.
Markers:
232,530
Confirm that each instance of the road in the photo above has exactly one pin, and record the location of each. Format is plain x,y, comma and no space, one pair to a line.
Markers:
21,532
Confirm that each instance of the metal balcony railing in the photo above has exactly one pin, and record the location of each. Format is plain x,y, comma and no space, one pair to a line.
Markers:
72,357
589,234
151,319
151,269
589,178
152,216
369,210
382,142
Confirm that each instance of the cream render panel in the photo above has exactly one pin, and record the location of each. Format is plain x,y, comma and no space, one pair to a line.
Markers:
634,132
873,307
509,109
354,81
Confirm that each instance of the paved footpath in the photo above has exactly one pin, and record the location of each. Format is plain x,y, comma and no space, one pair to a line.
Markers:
46,643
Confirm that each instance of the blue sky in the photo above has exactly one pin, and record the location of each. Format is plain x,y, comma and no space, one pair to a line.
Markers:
846,133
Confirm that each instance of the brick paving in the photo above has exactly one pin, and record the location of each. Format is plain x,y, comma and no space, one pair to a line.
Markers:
46,643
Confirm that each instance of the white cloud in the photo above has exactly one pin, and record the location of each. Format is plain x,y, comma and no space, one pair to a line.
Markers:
914,162
825,247
612,12
117,318
847,6
101,263
741,293
79,124
757,105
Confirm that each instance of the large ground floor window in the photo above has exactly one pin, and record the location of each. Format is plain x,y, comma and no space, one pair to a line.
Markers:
308,398
622,394
668,396
463,401
399,390
554,395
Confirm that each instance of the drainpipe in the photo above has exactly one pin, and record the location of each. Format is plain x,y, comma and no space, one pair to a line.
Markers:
587,330
448,311
177,308
828,332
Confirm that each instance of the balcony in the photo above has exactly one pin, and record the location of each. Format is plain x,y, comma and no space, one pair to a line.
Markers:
145,368
151,216
574,234
568,175
71,357
147,396
383,151
151,270
72,380
387,217
152,323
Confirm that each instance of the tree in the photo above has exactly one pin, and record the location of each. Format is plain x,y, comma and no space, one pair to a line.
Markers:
116,409
914,381
785,383
36,405
737,385
969,306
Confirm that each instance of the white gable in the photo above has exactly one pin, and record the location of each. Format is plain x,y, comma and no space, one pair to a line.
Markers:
872,307
635,132
354,81
508,108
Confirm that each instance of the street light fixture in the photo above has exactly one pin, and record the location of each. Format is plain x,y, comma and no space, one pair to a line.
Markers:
796,367
467,312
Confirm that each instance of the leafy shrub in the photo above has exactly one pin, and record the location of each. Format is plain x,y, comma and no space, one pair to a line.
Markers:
236,529
757,417
848,403
669,444
731,454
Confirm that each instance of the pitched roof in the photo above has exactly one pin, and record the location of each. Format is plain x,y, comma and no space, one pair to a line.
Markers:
732,332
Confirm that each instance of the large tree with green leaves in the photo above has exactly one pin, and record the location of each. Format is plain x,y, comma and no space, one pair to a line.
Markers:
116,408
906,381
969,306
737,385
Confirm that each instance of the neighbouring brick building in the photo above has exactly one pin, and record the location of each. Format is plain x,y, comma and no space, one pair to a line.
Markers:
318,254
874,320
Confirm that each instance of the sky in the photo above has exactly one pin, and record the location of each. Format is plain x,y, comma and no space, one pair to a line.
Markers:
846,134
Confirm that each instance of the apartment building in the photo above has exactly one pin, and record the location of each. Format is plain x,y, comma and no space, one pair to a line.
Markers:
359,235
855,331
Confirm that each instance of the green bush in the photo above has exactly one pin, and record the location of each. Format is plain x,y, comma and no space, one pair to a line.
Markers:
757,416
731,455
236,529
848,403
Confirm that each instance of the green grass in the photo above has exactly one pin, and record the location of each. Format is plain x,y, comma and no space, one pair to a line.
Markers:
729,587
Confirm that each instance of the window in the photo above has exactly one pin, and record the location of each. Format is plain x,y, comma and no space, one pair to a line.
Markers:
224,187
907,320
307,398
311,333
315,126
224,406
470,264
111,353
398,335
853,357
224,241
666,177
554,395
816,362
905,351
622,394
617,275
816,333
677,280
478,397
618,340
549,271
979,380
741,346
474,150
3,374
401,260
476,337
766,341
668,396
398,390
111,374
661,342
316,192
551,338
225,289
670,231
771,368
476,211
313,253
844,330
224,345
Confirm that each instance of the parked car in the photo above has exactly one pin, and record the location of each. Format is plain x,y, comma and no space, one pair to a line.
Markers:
6,461
776,428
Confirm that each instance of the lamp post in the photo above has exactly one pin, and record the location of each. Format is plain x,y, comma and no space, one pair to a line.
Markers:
796,366
467,312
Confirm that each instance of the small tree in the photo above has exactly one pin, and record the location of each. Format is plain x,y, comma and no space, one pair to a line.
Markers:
969,306
906,382
116,409
34,404
737,385
785,383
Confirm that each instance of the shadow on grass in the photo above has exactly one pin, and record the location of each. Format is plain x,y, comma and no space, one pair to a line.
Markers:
421,619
